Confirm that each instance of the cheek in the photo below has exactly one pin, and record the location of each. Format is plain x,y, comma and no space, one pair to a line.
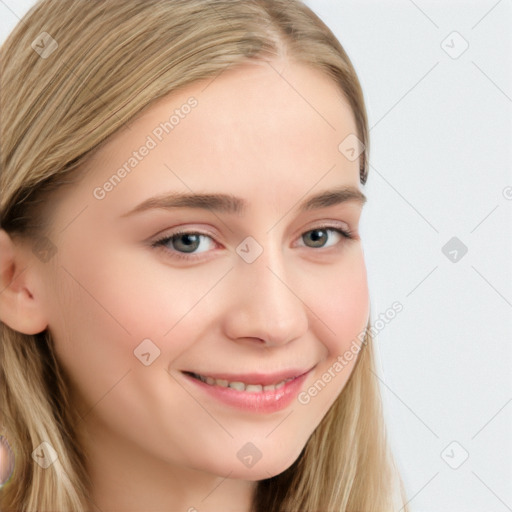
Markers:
105,307
97,319
343,310
91,344
343,305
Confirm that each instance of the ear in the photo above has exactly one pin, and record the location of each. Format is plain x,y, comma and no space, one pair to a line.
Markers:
20,305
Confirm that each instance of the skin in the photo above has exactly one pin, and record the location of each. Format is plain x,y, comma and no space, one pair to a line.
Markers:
156,442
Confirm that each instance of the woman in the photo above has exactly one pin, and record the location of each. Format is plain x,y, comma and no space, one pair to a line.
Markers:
185,311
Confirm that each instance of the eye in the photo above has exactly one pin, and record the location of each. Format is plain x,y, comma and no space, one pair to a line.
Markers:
319,236
185,244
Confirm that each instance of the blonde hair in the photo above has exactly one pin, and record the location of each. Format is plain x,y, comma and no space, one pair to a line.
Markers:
113,59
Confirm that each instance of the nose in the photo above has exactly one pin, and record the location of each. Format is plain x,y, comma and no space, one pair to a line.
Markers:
265,305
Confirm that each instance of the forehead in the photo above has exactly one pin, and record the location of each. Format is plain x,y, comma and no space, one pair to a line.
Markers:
262,129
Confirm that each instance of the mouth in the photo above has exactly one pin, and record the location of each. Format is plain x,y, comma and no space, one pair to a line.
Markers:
240,385
255,392
249,382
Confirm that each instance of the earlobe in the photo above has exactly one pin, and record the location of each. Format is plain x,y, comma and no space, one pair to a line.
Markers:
20,306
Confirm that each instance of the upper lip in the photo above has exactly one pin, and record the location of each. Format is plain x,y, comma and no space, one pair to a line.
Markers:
265,379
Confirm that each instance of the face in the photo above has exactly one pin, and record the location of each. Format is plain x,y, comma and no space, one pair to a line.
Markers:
146,286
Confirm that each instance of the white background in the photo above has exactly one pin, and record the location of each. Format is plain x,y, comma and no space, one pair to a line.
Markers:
441,160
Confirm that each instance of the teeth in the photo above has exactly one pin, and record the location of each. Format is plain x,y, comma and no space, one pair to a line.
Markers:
254,388
241,386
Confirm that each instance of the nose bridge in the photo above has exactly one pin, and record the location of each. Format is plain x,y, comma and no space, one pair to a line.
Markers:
265,305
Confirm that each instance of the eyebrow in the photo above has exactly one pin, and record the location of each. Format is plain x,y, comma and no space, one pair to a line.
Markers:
227,203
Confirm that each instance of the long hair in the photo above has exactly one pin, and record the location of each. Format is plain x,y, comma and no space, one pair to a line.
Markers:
105,62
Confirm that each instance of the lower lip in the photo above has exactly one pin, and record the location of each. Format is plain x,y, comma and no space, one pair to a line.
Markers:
262,402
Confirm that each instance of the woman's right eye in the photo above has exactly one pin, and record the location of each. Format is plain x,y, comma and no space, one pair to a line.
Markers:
182,244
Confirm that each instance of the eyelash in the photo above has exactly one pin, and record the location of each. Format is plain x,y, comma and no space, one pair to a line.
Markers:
161,242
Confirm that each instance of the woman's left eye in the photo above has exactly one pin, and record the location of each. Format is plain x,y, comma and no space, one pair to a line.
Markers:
184,244
320,239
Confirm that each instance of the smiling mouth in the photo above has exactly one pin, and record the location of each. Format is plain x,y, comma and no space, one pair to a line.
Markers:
238,385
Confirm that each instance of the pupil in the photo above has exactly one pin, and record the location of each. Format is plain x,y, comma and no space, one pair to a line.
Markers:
190,243
315,237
